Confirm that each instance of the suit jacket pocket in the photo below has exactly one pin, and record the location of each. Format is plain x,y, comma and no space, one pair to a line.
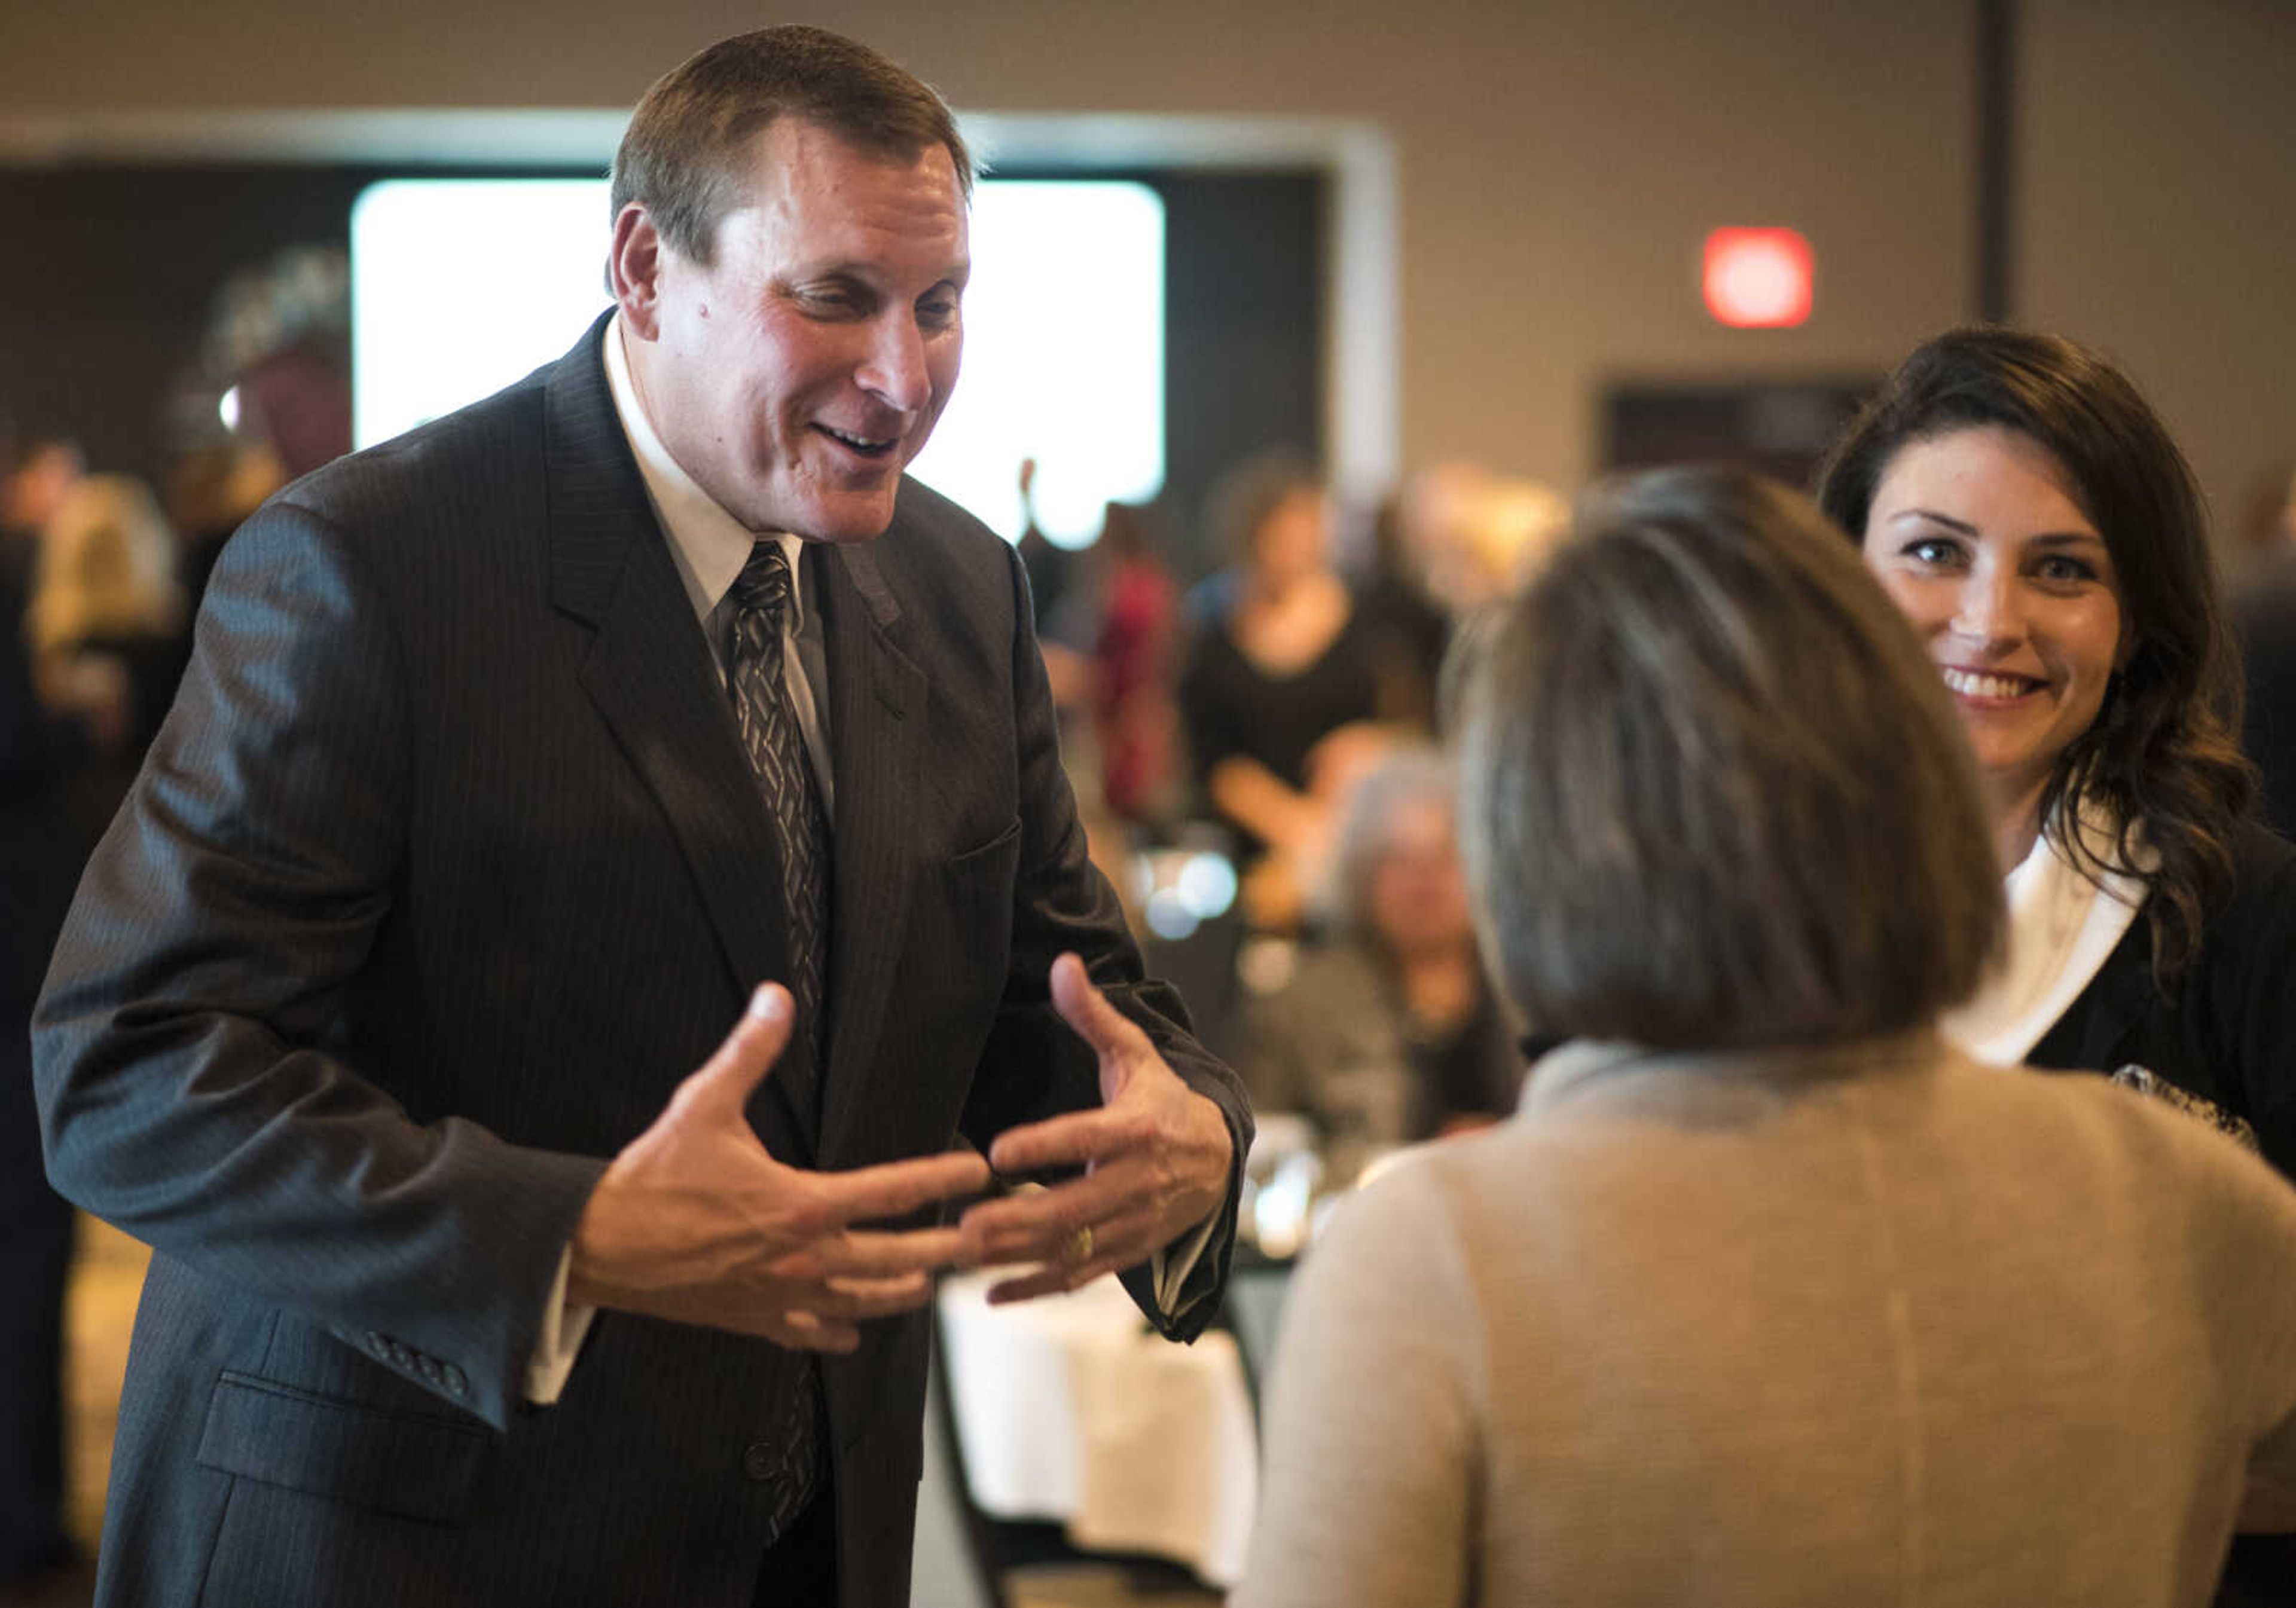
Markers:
1004,849
981,883
390,1462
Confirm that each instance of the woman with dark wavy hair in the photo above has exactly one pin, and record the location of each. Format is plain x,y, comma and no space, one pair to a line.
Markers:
2028,512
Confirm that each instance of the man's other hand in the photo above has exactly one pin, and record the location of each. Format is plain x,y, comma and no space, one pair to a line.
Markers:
1156,1156
693,1221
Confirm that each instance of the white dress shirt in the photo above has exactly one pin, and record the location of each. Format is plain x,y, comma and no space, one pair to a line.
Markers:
2063,928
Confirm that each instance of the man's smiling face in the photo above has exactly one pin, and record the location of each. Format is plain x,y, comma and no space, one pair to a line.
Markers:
800,372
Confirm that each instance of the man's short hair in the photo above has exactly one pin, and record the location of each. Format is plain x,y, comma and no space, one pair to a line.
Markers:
681,157
1713,793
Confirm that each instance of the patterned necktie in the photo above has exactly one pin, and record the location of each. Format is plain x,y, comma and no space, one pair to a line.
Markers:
790,1466
776,749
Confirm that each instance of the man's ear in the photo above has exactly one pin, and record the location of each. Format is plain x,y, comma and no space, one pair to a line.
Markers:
634,265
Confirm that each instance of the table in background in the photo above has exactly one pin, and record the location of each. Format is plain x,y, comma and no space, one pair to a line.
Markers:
1070,1408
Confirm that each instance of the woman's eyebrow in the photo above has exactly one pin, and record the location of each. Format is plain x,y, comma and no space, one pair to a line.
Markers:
1934,518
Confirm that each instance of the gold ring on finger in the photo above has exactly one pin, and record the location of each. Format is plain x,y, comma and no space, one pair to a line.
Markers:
1080,1245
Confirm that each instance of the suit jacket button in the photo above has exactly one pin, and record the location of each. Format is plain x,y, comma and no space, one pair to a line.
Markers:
378,1345
428,1366
456,1382
759,1461
401,1355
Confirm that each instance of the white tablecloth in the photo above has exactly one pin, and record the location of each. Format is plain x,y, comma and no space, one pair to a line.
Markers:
1071,1409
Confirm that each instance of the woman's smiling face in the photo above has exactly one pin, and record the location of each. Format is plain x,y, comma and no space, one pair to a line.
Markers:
1978,536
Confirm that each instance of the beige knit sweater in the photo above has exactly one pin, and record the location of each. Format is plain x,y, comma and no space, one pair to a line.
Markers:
1873,1327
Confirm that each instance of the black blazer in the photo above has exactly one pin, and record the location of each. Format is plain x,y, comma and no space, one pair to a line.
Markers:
2227,1029
445,868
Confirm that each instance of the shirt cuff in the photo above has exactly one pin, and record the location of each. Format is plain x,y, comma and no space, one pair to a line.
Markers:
563,1329
1168,1268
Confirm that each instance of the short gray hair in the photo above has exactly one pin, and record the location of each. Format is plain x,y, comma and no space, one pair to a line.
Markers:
681,157
1405,774
1712,793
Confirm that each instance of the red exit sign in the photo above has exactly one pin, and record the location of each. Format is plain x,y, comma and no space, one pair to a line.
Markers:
1758,278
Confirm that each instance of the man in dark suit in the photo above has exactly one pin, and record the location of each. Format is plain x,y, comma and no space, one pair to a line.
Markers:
514,755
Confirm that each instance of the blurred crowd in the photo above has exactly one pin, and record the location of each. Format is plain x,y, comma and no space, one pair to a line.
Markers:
1283,715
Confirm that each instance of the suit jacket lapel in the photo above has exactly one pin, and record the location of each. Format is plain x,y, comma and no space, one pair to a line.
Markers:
651,676
2116,998
876,699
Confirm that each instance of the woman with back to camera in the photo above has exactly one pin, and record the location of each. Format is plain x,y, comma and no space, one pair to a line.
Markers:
1768,1294
2028,512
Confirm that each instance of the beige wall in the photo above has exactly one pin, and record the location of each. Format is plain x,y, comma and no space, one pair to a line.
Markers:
2160,177
1559,163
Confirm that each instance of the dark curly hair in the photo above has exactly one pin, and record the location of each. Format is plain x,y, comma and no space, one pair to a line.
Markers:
2163,755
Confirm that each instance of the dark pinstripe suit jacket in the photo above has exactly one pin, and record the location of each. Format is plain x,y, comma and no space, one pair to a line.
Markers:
445,868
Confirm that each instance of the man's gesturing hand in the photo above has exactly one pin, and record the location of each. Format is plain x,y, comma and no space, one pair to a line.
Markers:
693,1221
1156,1155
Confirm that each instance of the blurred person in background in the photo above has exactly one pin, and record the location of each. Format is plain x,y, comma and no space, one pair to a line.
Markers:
1474,535
106,628
2028,512
1133,660
2267,522
39,861
1410,630
1062,642
297,400
2264,610
1279,694
1770,1294
1108,657
1452,540
35,484
278,341
1046,563
211,490
1388,1032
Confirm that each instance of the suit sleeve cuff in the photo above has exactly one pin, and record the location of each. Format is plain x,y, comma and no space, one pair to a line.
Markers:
564,1328
1168,1268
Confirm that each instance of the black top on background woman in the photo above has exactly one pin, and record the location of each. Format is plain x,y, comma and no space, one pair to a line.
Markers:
1279,692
